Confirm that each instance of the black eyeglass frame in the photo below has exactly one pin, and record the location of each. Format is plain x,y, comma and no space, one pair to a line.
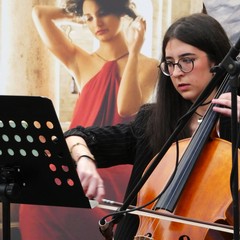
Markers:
163,66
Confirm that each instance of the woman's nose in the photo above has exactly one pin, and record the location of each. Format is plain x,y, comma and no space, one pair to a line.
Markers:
98,21
177,71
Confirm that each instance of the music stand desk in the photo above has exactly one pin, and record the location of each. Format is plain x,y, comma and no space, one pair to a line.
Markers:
35,163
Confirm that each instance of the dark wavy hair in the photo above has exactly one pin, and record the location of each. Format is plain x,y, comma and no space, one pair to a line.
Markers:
203,32
116,7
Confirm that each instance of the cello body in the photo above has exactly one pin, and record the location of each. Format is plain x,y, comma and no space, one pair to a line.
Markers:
206,195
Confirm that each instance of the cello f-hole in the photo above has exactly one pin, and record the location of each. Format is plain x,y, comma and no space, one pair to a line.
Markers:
184,237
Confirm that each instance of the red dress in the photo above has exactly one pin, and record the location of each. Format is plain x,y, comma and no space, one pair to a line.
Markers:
96,105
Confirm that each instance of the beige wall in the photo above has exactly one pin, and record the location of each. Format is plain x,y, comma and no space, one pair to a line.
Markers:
27,68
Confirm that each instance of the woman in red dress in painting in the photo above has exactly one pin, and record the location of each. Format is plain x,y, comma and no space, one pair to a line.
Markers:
115,81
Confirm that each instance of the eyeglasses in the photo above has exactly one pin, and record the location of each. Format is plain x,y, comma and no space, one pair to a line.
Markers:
185,64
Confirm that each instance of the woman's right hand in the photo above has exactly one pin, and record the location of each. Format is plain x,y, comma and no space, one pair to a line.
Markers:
91,181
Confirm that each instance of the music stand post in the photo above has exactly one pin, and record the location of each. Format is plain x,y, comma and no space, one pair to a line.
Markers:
35,163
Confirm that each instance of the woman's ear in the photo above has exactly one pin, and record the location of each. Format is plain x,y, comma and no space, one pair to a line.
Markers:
213,68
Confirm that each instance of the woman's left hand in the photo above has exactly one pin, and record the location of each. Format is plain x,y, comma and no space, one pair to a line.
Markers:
225,104
135,34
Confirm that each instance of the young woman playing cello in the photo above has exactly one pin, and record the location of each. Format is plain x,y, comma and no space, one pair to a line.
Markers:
191,47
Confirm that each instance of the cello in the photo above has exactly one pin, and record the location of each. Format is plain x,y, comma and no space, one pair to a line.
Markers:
200,188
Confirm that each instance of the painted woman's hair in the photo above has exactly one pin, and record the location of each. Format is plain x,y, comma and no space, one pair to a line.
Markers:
116,7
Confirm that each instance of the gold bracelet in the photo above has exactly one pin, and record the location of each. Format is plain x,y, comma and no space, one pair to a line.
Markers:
76,144
65,11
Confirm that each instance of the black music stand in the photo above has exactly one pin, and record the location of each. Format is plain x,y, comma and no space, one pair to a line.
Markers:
35,163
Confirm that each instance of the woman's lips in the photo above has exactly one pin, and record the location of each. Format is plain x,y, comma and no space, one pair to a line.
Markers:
101,32
183,86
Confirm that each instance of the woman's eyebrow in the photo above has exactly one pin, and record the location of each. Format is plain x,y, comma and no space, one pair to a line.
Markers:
182,55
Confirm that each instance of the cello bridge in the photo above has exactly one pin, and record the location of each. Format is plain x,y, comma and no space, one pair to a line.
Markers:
147,236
